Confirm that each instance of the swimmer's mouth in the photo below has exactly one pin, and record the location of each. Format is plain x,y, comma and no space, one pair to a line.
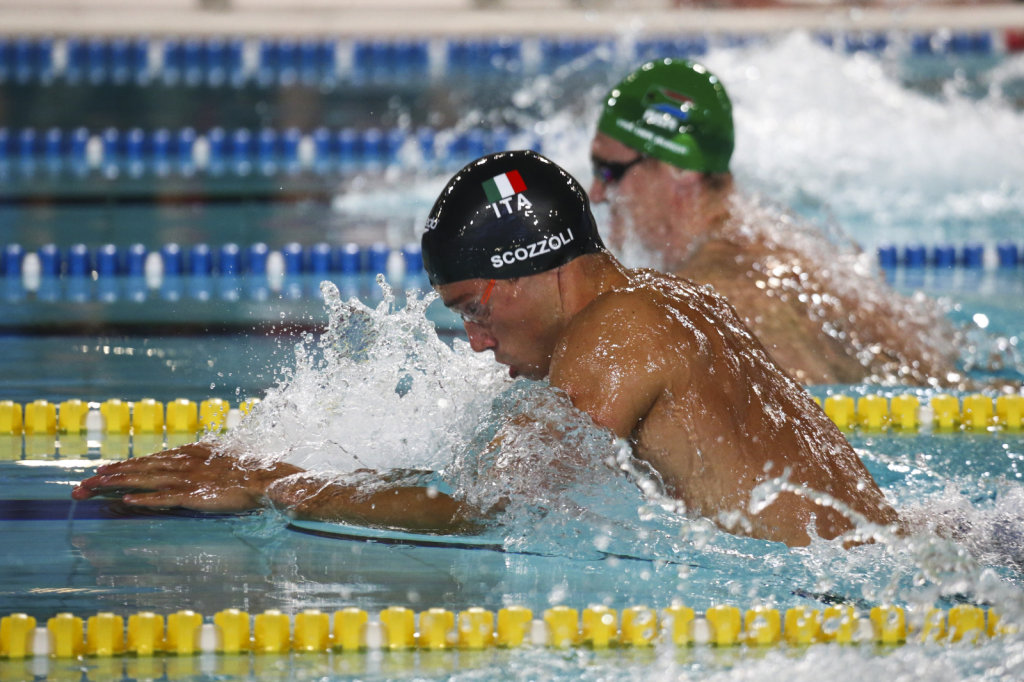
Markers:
512,371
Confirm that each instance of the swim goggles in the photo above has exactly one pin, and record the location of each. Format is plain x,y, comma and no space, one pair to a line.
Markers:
611,172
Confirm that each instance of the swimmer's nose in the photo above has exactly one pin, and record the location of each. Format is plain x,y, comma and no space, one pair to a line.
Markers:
598,191
479,339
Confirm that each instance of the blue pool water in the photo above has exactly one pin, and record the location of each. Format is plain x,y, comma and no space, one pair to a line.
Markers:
882,147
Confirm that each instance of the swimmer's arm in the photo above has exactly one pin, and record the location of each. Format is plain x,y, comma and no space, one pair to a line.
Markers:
200,478
413,508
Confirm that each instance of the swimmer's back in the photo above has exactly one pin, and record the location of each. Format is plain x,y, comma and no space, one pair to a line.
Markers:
671,366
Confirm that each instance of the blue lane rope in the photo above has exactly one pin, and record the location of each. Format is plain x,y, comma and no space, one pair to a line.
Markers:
136,260
970,255
110,273
267,61
228,273
229,259
323,61
139,153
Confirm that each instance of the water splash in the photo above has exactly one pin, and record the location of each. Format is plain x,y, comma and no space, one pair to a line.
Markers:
842,138
990,528
378,390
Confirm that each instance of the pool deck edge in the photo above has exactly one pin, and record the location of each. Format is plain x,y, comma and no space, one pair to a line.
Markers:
395,22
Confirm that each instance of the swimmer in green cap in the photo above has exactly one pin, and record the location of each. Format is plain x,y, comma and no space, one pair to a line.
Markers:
661,158
666,365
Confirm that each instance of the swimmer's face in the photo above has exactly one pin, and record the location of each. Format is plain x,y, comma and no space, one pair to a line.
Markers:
519,320
650,201
623,189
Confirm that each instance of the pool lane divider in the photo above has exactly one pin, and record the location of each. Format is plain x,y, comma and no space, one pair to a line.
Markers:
151,265
83,262
36,160
941,413
117,416
114,428
326,61
1004,254
182,419
395,629
229,273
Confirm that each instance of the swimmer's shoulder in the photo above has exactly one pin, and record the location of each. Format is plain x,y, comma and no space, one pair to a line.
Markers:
628,333
641,306
615,308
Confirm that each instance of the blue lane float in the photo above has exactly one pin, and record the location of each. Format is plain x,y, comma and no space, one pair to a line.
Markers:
136,260
201,259
322,258
1008,254
272,61
228,272
970,255
139,153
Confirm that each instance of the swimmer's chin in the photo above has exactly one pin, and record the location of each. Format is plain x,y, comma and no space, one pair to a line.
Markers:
513,371
531,373
527,370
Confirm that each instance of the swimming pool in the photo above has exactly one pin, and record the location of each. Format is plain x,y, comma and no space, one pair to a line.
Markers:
847,138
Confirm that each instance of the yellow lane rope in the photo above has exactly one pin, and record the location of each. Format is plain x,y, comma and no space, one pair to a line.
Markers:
231,631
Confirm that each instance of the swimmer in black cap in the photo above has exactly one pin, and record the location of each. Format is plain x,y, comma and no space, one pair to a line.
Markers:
654,358
504,217
508,215
511,246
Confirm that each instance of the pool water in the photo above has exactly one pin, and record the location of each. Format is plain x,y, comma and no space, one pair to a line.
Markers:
859,142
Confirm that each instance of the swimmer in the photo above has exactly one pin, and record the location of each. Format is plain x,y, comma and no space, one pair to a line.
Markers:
511,245
661,158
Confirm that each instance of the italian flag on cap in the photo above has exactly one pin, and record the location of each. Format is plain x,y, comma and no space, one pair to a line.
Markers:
504,185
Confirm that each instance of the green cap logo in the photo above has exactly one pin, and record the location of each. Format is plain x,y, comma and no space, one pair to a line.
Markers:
675,111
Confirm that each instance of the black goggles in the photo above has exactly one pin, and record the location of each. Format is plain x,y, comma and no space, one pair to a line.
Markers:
611,172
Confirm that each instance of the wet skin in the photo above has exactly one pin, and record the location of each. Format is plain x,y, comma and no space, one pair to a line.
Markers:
670,366
199,477
821,326
653,358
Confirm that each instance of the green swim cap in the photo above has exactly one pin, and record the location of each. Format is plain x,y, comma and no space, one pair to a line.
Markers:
675,111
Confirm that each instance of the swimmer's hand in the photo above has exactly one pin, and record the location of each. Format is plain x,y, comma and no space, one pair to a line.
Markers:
197,478
191,477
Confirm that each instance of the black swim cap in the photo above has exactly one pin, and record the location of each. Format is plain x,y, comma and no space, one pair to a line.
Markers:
506,215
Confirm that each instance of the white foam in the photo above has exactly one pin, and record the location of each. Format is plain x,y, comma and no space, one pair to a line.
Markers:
378,390
839,135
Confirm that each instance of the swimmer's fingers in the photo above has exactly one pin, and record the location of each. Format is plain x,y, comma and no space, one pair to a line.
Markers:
191,477
144,473
118,484
169,491
151,464
95,486
89,488
178,459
